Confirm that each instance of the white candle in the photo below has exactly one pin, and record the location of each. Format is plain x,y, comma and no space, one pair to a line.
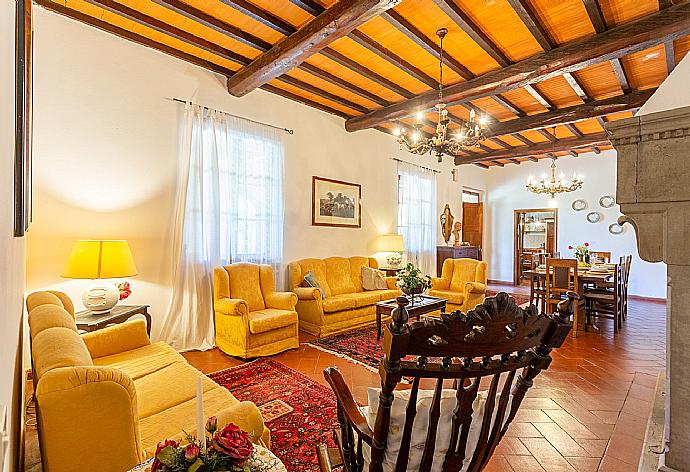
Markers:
200,423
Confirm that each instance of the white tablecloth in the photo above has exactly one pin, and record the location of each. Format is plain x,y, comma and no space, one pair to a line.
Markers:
261,456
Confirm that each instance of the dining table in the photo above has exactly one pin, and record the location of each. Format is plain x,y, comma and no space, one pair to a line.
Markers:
586,275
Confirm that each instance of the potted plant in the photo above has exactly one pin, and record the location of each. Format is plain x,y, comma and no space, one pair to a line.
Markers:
411,281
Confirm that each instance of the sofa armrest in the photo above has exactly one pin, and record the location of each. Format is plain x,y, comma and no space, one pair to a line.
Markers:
231,306
84,409
117,338
391,281
281,300
474,287
307,293
438,283
247,416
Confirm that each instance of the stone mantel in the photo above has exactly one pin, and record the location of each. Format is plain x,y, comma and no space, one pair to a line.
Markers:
653,191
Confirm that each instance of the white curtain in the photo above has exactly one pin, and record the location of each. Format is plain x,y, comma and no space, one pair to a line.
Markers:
229,209
417,215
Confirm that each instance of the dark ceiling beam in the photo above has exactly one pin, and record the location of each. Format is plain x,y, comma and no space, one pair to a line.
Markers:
665,4
531,21
496,163
421,40
514,161
596,150
483,166
310,6
539,97
532,158
500,142
338,21
510,106
573,153
547,134
621,75
563,116
596,16
470,28
670,54
522,139
164,48
602,122
567,144
577,87
619,41
571,127
262,16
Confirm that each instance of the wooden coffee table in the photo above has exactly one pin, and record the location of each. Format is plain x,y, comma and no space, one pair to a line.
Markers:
423,304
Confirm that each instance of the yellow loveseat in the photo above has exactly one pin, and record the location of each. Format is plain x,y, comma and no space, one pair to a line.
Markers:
346,305
105,399
462,284
252,319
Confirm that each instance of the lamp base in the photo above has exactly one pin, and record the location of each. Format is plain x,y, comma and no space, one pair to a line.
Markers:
393,260
101,298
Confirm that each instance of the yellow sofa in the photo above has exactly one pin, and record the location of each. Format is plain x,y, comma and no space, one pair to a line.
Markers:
346,304
105,399
252,319
462,284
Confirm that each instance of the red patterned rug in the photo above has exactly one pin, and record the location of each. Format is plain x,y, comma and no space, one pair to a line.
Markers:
300,412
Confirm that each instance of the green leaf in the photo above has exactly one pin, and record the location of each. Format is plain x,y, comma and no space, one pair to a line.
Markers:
194,467
166,456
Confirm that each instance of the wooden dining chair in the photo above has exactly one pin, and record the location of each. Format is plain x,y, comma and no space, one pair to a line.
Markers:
607,302
626,280
602,257
537,292
561,277
496,340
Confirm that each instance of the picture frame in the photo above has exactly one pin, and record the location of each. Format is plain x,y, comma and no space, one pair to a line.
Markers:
24,117
336,203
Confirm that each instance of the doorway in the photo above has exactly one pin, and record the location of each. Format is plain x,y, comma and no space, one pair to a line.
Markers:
472,217
535,239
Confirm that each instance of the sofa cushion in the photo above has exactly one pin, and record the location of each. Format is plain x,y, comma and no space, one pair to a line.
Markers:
142,361
464,270
338,303
318,268
269,319
167,387
356,265
387,294
310,281
456,298
365,298
338,275
246,285
58,347
50,316
373,279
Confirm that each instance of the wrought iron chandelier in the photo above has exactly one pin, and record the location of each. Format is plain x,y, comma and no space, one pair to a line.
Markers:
554,186
471,133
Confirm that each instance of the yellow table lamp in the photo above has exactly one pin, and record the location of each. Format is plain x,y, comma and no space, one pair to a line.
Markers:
394,245
100,259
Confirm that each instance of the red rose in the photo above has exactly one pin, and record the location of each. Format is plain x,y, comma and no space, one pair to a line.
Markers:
233,442
586,244
570,247
158,465
191,452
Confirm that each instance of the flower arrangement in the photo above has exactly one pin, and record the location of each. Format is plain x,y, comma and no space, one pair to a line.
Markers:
228,449
581,252
411,281
125,290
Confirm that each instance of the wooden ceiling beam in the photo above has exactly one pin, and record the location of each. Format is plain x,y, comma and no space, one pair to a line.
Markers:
532,158
616,42
546,134
514,161
596,16
571,127
496,163
663,4
539,97
531,21
470,28
338,21
567,144
596,150
670,54
564,116
500,142
621,76
483,166
577,87
522,139
510,106
421,40
262,16
310,6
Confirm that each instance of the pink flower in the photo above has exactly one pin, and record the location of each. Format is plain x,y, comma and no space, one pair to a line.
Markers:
125,290
191,452
234,443
570,247
158,465
212,424
586,244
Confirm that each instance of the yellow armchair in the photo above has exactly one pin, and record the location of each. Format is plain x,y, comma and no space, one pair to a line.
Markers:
462,284
252,319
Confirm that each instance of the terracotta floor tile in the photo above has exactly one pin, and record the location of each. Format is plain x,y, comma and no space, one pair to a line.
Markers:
532,416
631,425
594,447
523,430
570,425
610,464
498,463
625,448
608,417
511,446
559,439
584,464
547,456
524,464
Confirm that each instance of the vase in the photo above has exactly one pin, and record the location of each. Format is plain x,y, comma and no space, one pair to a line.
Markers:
411,292
586,258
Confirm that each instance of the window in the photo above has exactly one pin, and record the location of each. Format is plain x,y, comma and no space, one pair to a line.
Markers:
417,214
470,196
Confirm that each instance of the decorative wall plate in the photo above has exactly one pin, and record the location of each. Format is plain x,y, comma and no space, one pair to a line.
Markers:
615,228
607,201
593,217
579,205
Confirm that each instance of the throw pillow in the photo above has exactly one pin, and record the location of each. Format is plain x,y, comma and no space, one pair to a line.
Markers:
373,279
420,427
310,281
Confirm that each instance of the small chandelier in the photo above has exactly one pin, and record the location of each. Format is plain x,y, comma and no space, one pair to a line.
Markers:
554,186
441,143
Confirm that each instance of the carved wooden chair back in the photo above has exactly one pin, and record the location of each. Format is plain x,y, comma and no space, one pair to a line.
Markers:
561,277
602,256
497,339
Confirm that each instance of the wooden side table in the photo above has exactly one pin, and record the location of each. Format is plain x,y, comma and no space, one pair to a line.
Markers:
423,304
390,271
89,321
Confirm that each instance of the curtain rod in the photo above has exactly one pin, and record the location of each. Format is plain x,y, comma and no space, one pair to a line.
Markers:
288,131
416,165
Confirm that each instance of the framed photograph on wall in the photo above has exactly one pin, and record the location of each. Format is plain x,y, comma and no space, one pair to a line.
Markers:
23,124
335,203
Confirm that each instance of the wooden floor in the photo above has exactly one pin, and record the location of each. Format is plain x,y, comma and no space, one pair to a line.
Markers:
588,412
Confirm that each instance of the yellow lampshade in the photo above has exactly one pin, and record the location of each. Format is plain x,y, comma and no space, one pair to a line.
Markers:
391,243
100,260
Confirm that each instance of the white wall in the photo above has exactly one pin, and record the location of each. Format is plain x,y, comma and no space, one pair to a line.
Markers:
507,193
11,249
105,156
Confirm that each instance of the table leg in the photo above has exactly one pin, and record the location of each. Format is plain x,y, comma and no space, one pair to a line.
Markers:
378,325
148,322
